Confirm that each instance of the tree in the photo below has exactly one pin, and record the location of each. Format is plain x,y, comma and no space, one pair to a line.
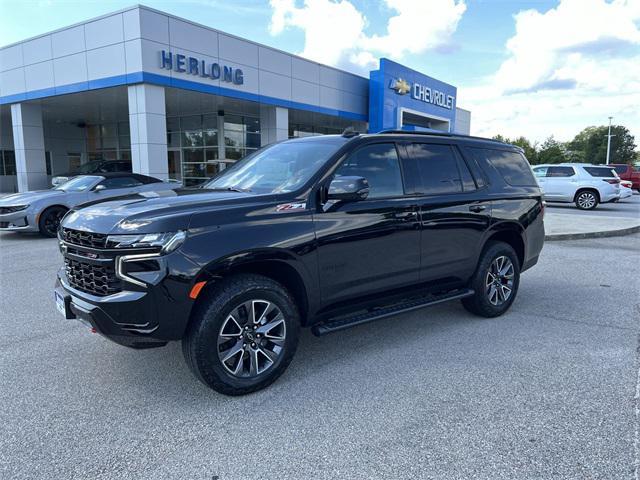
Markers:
590,145
552,151
530,150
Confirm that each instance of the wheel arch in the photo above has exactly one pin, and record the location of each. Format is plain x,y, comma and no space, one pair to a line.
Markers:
511,234
583,189
55,205
42,211
280,268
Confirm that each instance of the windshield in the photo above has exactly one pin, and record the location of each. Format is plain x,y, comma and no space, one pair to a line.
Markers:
78,184
280,168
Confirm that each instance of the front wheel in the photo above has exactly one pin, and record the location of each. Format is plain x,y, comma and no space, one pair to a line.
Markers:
495,281
50,221
243,335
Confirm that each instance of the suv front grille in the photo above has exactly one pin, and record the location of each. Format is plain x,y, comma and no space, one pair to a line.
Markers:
98,280
84,239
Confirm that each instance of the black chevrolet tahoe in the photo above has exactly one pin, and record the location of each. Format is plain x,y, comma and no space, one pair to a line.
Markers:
323,232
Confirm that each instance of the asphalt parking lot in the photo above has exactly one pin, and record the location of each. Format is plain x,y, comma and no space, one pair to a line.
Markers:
546,391
627,208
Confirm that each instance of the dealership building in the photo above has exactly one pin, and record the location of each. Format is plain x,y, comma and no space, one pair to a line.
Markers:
182,100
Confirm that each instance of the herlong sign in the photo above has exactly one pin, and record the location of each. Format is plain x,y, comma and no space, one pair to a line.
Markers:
195,66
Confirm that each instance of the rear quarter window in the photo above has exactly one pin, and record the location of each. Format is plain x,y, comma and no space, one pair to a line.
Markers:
512,166
603,172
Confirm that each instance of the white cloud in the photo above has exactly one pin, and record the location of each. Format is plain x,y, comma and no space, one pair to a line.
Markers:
568,67
334,30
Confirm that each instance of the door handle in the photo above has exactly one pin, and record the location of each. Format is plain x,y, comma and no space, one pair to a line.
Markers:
477,208
406,216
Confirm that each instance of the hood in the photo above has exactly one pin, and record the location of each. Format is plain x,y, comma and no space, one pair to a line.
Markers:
27,198
149,212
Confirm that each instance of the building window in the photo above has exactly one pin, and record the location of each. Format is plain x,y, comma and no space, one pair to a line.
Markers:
108,141
193,144
299,130
47,160
7,162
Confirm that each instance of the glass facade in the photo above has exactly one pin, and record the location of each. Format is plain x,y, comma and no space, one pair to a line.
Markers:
7,162
108,141
198,150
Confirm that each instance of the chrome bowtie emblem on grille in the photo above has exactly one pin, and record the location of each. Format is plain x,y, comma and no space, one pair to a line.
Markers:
401,86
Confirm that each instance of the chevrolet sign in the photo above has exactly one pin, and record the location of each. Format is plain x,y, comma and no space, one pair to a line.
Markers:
422,93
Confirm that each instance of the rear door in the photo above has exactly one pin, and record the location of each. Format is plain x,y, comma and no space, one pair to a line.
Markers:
373,244
454,209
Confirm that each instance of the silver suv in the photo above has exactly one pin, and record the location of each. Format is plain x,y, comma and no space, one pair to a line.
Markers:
585,184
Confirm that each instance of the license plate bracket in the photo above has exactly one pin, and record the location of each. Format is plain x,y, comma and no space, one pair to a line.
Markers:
63,305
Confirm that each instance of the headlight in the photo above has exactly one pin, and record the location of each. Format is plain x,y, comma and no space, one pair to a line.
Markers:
167,242
13,209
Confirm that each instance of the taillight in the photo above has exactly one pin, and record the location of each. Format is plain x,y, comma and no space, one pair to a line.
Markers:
612,181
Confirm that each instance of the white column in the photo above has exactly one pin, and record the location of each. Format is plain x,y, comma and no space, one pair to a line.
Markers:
148,125
274,124
28,143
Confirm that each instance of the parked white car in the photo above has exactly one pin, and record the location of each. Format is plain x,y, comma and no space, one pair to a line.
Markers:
584,184
42,210
626,189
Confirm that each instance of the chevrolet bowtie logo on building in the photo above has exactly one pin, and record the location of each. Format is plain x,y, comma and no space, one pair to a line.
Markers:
401,86
422,93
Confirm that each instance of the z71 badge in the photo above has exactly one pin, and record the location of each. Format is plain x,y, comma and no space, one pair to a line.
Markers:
287,207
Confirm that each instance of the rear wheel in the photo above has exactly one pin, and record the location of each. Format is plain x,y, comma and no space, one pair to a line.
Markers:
50,221
587,200
495,281
243,336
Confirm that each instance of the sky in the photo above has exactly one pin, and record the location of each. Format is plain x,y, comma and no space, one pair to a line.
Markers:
523,68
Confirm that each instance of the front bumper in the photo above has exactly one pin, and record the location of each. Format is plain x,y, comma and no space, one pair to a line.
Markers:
21,221
136,317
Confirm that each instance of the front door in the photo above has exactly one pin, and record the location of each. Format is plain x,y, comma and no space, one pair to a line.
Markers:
373,244
454,211
561,183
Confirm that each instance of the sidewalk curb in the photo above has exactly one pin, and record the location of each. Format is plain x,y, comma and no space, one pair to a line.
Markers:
580,236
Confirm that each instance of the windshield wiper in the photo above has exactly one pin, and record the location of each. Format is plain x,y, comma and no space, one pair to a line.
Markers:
230,189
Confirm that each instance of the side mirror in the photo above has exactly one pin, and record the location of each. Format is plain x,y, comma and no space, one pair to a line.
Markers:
348,189
99,188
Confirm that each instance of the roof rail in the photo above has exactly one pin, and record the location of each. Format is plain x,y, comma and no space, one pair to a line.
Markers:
438,134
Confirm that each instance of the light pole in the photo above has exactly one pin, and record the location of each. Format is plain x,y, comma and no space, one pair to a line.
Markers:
609,141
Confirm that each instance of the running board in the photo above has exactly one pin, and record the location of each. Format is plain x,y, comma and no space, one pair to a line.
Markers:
414,303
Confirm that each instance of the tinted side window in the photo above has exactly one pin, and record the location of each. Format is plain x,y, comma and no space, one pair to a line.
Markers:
600,171
468,184
621,169
560,172
120,182
540,171
438,168
379,164
513,167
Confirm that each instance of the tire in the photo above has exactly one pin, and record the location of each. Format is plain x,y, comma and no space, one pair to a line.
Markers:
587,199
50,221
214,333
483,302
